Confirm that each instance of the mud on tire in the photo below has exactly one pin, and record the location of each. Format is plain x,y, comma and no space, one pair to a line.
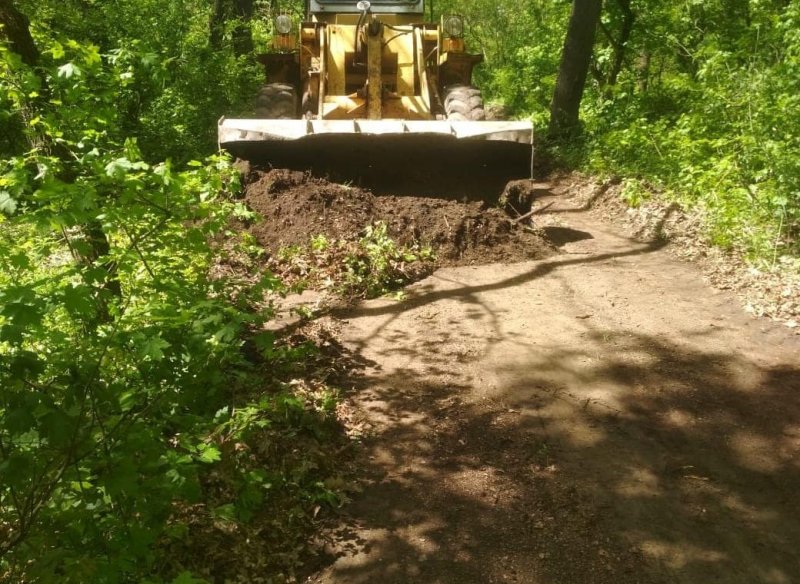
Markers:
464,102
276,101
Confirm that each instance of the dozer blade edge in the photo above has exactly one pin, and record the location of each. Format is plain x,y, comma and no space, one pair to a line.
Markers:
254,130
433,158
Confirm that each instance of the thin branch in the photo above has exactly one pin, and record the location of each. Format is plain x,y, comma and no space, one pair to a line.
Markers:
146,201
530,213
12,490
608,35
135,246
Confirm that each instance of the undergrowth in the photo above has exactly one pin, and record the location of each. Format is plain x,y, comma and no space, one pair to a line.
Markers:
710,131
372,266
144,410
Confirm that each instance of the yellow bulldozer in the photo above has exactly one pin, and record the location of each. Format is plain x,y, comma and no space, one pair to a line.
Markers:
374,83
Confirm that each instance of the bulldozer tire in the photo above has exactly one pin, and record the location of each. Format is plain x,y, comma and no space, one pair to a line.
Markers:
464,102
276,101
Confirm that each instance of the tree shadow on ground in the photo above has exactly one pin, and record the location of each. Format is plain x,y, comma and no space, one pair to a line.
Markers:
559,236
628,457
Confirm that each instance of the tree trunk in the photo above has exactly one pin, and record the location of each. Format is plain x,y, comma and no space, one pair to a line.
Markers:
217,25
628,19
575,60
242,35
16,29
643,71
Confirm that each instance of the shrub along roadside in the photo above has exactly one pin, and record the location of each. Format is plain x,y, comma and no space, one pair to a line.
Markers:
707,120
372,266
128,420
130,416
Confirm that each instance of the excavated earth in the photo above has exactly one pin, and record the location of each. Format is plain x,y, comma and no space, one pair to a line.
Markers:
595,414
296,206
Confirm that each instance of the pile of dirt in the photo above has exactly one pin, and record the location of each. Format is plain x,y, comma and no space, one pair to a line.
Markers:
296,206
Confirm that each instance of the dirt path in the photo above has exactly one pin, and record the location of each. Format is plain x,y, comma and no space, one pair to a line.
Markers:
599,416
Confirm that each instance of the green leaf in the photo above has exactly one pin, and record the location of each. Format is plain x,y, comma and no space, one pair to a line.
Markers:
57,427
19,420
7,204
69,70
153,348
78,301
95,274
57,50
226,334
25,363
225,512
164,171
23,314
118,167
127,401
123,479
12,334
208,453
140,538
18,468
20,261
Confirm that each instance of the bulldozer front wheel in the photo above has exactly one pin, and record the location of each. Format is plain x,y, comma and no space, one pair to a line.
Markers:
277,101
464,102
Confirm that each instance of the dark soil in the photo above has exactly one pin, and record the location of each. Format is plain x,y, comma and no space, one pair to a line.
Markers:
295,206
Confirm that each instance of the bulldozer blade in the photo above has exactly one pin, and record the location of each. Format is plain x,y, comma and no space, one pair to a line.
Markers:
457,158
246,130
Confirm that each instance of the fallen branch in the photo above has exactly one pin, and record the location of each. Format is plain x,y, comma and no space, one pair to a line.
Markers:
530,213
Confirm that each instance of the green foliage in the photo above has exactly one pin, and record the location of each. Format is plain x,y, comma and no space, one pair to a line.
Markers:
372,266
712,127
699,103
170,85
100,427
378,265
128,412
634,192
124,382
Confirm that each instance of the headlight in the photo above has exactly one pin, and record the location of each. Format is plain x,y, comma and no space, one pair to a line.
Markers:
453,26
283,24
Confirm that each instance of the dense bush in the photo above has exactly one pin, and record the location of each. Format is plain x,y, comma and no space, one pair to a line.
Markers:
175,84
709,121
521,43
128,412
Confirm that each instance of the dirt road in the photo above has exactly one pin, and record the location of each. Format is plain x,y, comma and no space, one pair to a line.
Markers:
602,415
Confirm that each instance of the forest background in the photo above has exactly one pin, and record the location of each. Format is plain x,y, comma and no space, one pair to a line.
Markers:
125,387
